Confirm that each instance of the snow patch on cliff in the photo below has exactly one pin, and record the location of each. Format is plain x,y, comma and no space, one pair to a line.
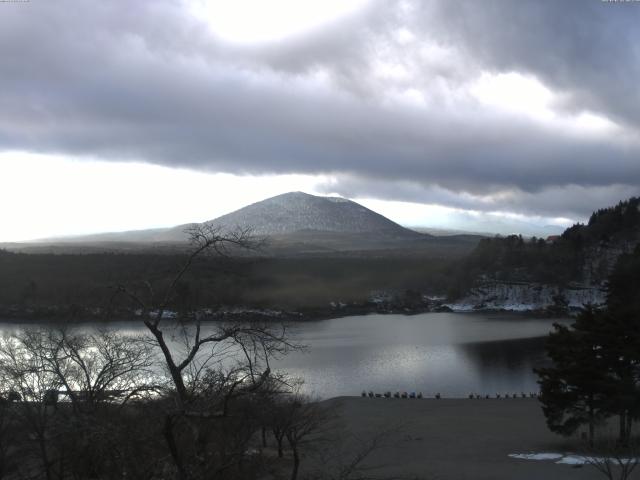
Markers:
522,297
571,459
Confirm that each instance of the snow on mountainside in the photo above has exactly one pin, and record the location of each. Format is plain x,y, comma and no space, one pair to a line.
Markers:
282,215
522,297
296,211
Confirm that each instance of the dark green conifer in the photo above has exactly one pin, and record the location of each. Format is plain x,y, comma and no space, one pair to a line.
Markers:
595,371
573,389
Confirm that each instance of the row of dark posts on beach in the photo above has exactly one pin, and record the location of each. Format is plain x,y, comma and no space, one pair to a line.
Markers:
437,396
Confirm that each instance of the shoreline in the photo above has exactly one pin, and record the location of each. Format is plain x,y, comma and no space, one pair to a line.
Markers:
75,314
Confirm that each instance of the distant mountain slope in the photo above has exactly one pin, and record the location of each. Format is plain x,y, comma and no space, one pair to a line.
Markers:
292,215
297,212
151,235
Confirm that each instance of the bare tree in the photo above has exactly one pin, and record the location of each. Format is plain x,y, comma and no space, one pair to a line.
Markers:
313,430
205,239
94,368
208,367
29,384
61,379
302,423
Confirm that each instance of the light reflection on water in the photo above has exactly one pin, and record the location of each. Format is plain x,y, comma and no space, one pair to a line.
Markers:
451,353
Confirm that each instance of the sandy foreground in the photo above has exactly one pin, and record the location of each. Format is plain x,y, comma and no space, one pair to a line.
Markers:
460,438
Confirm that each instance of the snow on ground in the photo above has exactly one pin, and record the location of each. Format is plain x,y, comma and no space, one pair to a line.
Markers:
511,307
569,459
461,307
523,296
537,456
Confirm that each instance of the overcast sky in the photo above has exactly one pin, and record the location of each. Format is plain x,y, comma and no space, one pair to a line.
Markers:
485,115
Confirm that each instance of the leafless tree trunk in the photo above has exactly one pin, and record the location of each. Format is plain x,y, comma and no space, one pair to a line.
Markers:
213,367
299,421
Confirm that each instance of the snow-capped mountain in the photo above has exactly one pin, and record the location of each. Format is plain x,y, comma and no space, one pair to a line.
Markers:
283,215
296,211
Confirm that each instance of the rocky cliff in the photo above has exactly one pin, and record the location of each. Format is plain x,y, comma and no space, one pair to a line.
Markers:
523,296
558,274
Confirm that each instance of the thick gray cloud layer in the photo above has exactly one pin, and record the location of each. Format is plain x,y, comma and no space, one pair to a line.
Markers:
381,99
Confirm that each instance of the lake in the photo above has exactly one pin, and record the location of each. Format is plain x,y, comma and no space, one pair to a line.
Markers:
449,353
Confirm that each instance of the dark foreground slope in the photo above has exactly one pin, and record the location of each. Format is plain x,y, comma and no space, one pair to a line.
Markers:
459,439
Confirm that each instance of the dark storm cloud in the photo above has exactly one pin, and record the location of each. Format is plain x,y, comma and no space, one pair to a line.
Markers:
147,81
574,202
585,48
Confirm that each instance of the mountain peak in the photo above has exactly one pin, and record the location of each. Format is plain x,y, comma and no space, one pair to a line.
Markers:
298,211
302,196
301,213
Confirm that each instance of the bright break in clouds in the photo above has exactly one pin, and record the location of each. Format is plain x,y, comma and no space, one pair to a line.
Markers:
525,109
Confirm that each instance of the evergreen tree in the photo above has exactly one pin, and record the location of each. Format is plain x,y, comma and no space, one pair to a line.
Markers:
621,340
595,370
573,388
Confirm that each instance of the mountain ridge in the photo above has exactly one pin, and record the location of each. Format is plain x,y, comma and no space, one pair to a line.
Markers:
286,214
294,212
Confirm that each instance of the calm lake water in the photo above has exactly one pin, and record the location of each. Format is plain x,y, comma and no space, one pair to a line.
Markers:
450,353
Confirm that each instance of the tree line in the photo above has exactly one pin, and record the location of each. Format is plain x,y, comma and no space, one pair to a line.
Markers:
559,260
